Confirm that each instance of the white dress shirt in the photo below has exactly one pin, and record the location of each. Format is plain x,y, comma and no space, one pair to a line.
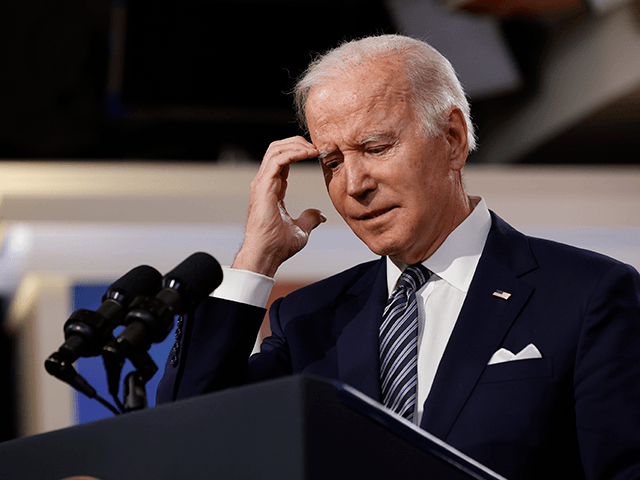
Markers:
453,266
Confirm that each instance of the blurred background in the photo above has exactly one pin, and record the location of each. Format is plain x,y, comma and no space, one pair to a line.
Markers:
207,80
130,131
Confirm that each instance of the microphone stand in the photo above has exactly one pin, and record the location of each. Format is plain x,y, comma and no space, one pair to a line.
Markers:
135,395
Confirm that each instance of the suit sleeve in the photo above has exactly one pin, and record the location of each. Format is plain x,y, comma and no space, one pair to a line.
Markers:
607,378
212,349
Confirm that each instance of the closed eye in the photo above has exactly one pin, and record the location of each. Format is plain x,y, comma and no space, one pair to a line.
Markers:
378,144
329,159
377,150
332,164
329,163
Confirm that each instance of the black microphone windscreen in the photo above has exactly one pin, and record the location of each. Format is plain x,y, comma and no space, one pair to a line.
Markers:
200,272
140,281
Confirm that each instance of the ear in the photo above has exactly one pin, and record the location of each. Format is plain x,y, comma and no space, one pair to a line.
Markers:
456,135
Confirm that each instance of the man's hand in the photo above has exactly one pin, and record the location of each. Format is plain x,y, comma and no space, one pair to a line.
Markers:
271,235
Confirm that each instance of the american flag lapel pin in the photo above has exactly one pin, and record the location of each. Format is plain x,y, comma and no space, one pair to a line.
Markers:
502,295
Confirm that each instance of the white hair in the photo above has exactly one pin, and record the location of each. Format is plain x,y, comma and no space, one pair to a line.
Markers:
435,85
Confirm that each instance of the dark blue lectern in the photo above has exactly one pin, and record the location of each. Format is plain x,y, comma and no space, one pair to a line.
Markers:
292,428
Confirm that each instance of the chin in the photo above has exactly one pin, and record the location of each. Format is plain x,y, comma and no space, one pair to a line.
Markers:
383,249
385,243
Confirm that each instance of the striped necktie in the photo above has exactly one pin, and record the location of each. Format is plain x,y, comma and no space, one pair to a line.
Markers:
399,343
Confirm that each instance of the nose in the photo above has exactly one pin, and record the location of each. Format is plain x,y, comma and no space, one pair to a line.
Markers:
359,180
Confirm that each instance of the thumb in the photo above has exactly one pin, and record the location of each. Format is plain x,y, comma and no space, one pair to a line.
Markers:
310,219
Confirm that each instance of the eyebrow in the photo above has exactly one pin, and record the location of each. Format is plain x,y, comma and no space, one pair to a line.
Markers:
323,154
376,137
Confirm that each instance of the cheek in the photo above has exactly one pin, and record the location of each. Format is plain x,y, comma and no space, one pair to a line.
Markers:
336,194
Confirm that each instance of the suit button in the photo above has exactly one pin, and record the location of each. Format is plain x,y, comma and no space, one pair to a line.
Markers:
178,333
180,321
176,347
174,360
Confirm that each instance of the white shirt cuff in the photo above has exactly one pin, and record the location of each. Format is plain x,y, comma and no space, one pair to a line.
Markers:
243,286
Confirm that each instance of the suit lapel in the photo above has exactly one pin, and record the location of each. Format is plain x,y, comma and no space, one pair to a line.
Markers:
481,326
358,321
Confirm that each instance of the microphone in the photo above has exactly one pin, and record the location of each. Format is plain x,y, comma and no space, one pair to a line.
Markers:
87,331
150,319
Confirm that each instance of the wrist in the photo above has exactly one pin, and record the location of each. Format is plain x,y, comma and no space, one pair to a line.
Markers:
255,262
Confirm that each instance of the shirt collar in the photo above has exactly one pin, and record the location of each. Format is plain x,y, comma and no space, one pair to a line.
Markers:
456,259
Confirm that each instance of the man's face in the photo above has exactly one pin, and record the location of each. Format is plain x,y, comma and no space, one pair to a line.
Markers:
398,190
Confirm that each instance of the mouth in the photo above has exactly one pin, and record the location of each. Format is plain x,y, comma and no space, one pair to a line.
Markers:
375,213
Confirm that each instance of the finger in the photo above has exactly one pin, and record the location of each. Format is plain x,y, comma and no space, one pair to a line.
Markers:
310,219
286,152
291,141
274,170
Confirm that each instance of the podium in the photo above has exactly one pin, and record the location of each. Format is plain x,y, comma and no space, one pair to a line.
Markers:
292,428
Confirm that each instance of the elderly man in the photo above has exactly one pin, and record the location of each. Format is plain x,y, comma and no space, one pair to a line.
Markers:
520,352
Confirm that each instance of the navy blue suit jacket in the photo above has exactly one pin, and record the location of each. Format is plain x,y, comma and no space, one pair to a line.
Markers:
574,413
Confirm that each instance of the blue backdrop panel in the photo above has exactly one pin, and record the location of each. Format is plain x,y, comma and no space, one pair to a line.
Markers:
89,296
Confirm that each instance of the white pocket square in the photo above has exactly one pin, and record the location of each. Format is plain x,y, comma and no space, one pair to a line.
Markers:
504,355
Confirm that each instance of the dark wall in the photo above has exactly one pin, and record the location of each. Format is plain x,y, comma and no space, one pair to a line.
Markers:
240,55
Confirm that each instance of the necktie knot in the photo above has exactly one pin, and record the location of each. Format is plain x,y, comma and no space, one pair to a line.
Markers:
414,277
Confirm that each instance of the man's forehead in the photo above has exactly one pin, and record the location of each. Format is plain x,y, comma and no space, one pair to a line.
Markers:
363,106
